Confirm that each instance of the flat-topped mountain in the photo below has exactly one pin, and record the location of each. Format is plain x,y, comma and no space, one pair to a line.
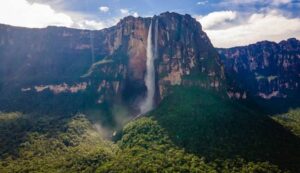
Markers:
146,95
58,66
266,71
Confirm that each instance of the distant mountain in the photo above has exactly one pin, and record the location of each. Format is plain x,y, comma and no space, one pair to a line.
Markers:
61,69
268,72
78,95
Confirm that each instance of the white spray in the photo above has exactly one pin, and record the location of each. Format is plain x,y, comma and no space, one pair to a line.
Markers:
148,103
156,39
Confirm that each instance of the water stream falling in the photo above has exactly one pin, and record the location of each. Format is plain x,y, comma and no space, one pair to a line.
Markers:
156,39
148,103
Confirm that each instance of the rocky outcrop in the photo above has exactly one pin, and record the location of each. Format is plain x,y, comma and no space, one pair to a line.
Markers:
185,54
104,66
265,70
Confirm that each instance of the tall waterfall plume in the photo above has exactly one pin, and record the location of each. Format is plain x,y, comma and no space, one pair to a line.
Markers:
148,103
156,39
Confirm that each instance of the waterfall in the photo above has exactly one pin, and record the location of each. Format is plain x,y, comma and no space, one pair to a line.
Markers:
148,103
156,39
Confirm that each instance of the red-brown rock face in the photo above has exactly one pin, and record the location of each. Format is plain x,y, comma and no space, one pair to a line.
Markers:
114,66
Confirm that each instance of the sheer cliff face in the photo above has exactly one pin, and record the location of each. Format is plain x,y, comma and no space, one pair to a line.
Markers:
185,54
265,70
96,67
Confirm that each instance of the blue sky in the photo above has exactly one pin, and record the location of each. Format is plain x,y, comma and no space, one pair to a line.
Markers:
152,7
228,23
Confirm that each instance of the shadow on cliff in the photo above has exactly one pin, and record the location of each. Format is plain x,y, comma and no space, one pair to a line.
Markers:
278,105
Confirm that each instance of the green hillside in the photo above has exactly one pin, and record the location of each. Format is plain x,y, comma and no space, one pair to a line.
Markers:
192,130
31,144
146,147
290,120
204,123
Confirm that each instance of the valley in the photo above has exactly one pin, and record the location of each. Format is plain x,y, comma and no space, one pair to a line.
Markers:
149,95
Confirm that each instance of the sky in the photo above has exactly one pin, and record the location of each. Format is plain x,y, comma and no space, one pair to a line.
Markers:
228,23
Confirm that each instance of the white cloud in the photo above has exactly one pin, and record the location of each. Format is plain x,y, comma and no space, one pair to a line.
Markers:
104,9
271,25
202,2
90,24
126,12
135,14
37,15
215,19
22,13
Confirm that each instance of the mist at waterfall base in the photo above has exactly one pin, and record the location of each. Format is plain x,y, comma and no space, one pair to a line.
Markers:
148,103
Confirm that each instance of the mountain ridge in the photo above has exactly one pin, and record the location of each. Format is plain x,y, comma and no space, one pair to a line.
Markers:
266,71
60,60
93,46
262,41
80,92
